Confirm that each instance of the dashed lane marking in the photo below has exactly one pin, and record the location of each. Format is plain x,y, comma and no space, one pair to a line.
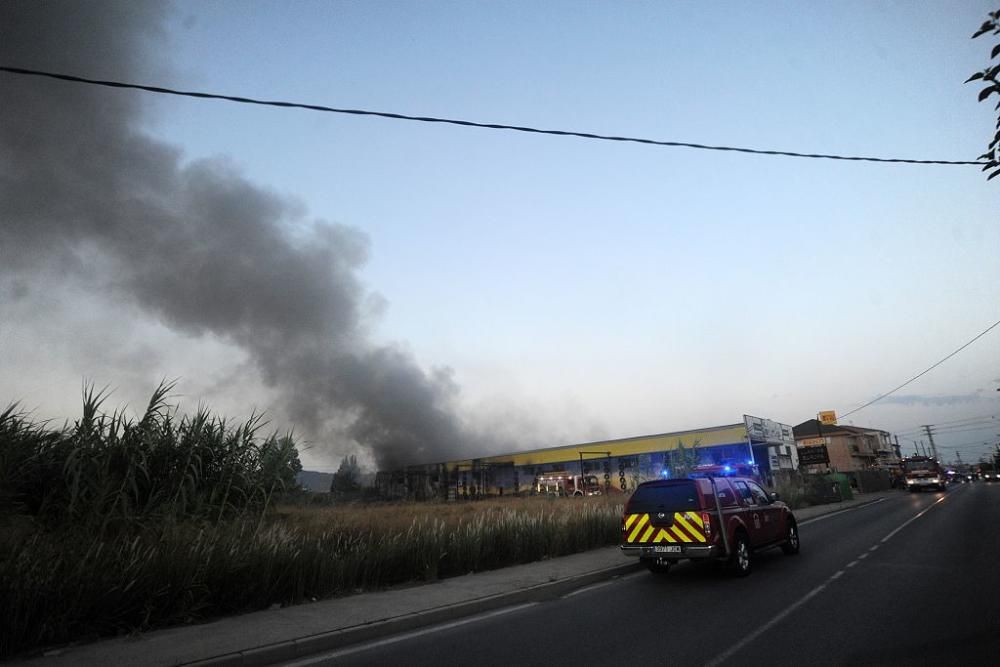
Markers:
911,520
782,615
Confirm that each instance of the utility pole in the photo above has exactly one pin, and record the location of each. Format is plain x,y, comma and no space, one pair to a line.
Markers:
923,450
930,436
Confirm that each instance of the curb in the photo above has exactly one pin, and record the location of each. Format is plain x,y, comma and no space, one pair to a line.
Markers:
310,645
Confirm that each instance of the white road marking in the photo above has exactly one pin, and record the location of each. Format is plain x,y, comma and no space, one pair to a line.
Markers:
587,589
732,650
852,563
874,548
833,514
317,659
911,520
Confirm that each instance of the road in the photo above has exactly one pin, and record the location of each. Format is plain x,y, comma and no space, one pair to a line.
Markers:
914,578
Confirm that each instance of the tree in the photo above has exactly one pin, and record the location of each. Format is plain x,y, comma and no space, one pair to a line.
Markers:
345,480
684,460
991,77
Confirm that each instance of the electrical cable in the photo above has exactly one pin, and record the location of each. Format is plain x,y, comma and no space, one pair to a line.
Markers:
465,123
935,428
923,372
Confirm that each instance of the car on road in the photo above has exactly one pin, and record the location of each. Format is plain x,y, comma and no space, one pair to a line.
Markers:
705,518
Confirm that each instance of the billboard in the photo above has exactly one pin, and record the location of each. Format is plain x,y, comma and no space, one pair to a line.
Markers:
828,417
767,431
815,455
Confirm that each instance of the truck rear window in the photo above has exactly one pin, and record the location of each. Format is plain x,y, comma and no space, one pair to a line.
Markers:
676,497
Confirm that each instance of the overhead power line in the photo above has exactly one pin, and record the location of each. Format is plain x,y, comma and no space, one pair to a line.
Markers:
465,123
967,419
977,429
967,445
945,428
923,372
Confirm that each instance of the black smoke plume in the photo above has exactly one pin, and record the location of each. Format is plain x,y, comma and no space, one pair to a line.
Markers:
86,195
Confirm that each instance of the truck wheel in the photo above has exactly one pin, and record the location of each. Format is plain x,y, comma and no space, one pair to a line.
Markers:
657,565
740,561
791,545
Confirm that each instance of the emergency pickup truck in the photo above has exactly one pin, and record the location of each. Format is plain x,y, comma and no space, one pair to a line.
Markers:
705,518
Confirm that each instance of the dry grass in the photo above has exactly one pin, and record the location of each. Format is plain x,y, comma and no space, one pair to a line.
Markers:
115,526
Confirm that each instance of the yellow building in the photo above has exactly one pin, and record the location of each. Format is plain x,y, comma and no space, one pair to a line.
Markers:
618,465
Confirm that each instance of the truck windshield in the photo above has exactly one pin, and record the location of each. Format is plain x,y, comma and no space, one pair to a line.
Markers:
674,496
912,466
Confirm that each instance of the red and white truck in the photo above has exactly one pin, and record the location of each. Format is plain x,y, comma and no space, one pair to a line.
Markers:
924,472
566,484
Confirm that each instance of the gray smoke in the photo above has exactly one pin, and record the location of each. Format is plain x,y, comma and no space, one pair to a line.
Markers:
86,195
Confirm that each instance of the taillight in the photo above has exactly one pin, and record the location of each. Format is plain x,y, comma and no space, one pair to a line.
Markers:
706,519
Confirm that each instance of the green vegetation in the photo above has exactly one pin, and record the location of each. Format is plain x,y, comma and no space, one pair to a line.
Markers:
991,77
116,525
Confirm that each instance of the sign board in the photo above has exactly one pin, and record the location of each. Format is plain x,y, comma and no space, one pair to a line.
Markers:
828,417
816,455
766,431
810,442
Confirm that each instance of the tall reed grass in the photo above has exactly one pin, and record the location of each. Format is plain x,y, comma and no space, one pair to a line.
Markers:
115,526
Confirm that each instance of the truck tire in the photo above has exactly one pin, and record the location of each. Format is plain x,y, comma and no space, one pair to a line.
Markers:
740,562
791,545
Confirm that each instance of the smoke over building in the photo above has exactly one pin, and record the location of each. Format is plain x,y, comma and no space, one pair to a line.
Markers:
87,197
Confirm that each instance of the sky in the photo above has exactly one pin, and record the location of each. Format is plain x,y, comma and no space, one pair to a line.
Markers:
408,291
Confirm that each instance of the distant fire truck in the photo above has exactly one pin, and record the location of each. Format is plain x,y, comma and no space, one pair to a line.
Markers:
924,472
566,484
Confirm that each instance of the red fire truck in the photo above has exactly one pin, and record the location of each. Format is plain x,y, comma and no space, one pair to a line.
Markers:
565,484
924,472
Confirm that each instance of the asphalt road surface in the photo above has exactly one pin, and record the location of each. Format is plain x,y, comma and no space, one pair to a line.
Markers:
912,579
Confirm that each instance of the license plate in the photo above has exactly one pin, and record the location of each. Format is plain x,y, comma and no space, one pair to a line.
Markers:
666,549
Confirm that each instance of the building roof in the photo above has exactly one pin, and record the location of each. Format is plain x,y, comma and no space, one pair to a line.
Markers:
702,437
812,428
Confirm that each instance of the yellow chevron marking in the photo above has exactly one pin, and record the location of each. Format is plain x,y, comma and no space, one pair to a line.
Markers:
629,520
695,518
680,533
643,520
664,535
696,532
646,535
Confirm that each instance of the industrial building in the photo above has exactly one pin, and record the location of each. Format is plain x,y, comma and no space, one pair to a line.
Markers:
613,466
